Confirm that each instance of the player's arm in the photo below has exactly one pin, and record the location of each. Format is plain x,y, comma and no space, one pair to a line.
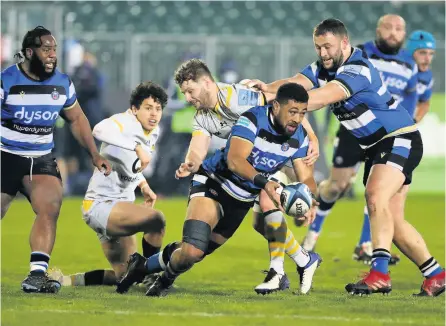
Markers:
305,174
313,148
80,127
198,148
330,93
239,151
423,103
110,131
148,194
421,110
270,89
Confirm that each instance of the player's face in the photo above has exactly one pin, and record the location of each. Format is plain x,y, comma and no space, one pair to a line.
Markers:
390,34
289,116
198,93
423,58
329,49
43,60
149,113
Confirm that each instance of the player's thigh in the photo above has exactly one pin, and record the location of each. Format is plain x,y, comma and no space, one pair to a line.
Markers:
127,218
45,192
117,251
397,204
390,164
346,150
6,200
13,168
203,209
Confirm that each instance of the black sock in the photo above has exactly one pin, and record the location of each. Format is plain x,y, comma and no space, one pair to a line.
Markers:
149,250
323,205
95,277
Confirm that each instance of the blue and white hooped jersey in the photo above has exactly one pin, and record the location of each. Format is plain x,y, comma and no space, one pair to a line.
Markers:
270,152
425,85
30,109
399,73
370,112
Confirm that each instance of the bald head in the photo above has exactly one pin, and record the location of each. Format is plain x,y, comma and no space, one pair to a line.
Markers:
390,33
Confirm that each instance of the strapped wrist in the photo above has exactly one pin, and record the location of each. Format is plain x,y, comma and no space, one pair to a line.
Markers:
260,181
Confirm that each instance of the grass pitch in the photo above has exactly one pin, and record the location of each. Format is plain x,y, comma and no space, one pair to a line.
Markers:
219,291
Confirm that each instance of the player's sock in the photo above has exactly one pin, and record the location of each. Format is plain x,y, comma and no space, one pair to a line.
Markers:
322,211
276,231
380,260
149,249
365,233
158,262
95,277
39,262
430,268
295,251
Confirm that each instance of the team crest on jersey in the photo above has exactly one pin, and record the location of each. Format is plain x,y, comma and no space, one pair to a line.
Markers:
285,147
55,95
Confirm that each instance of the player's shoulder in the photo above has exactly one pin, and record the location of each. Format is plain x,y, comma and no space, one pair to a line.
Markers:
9,75
62,77
404,56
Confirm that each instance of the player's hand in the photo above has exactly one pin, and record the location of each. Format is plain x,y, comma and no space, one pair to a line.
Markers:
143,156
185,170
255,83
313,151
149,196
309,217
102,164
271,190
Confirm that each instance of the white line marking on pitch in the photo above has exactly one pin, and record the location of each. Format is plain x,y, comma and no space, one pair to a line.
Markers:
212,315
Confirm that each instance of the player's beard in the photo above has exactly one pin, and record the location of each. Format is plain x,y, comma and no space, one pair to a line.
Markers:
386,48
37,67
337,61
205,100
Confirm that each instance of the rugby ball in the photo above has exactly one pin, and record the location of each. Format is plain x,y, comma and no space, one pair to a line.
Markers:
296,199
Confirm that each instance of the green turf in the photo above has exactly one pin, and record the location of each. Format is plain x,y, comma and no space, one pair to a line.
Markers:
219,291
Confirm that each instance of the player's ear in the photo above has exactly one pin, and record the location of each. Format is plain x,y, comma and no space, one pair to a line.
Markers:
276,107
134,109
28,53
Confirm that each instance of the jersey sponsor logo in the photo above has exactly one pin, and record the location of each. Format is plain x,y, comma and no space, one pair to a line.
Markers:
394,82
243,121
257,160
127,178
29,117
246,97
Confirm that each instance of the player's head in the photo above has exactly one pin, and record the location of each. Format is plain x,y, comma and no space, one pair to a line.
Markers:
331,42
196,83
289,107
390,33
39,49
421,45
147,102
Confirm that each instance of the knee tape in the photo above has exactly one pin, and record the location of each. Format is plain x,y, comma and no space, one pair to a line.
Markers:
197,233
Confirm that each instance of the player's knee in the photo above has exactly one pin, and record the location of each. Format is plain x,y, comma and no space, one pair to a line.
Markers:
196,234
156,223
375,200
332,189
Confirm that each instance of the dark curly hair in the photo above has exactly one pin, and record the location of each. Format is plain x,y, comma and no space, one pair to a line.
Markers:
191,69
291,91
148,89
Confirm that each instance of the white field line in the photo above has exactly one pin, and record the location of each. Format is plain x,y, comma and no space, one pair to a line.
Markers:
249,316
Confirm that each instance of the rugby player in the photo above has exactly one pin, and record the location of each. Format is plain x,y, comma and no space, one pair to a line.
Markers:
33,94
224,186
128,140
399,72
421,45
218,107
344,79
